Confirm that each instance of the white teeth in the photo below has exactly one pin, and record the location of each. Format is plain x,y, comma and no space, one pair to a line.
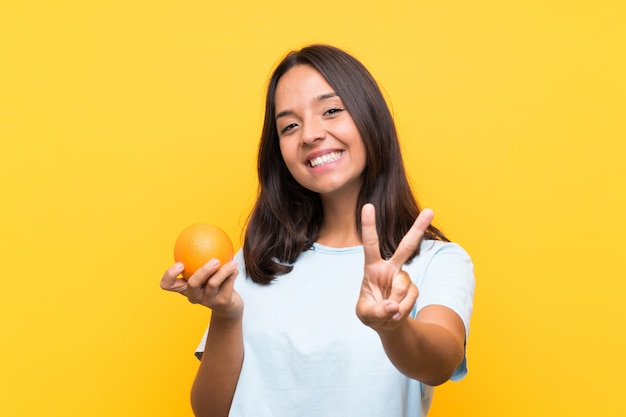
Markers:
324,159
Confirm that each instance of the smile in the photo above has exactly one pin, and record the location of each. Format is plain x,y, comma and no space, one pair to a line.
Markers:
325,159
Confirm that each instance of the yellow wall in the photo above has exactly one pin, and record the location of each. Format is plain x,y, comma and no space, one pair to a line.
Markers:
123,121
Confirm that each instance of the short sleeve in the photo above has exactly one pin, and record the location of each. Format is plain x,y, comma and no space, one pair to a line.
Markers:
200,349
445,276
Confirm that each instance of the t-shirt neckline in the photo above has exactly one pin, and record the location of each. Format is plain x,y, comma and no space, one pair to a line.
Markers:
318,247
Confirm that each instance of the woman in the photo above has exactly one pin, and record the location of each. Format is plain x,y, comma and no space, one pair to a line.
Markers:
335,247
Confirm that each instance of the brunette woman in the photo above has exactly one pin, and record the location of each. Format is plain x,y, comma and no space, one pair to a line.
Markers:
344,300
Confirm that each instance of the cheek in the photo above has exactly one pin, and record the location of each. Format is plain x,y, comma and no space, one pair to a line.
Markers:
359,151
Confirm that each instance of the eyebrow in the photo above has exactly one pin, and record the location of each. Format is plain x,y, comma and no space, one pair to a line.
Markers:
318,98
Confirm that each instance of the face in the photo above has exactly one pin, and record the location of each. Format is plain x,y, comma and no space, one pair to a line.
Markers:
319,141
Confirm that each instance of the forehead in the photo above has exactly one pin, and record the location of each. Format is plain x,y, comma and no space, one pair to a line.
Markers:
301,82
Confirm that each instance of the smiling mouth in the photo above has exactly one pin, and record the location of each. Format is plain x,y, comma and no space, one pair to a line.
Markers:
325,159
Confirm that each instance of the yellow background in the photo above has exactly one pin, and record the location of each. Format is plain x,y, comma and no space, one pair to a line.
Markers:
124,121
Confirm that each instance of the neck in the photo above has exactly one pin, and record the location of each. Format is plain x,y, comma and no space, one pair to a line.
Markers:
338,229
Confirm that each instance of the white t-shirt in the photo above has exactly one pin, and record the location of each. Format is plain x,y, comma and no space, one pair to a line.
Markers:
306,353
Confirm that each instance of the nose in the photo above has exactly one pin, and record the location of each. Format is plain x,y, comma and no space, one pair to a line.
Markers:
312,131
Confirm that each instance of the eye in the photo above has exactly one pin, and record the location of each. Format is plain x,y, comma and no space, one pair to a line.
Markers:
334,111
288,128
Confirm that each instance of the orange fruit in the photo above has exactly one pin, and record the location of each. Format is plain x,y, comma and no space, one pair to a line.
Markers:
198,244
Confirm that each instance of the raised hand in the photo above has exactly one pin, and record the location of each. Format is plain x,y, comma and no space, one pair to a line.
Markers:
387,292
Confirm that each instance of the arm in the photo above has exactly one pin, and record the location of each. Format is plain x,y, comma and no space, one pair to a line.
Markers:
427,348
214,386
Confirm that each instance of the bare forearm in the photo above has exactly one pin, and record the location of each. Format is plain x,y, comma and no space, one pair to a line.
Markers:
424,351
214,387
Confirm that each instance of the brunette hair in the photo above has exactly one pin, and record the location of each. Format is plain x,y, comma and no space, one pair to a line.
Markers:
286,217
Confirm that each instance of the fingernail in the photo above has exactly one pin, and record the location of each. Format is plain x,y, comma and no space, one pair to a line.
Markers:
214,263
178,266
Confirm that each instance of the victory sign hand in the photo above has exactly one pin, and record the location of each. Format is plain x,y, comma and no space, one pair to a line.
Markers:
387,292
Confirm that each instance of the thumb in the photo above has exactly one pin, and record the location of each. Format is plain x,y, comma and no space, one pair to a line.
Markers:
377,314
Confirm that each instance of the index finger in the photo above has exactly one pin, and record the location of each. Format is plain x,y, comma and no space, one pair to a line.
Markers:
371,249
411,241
170,282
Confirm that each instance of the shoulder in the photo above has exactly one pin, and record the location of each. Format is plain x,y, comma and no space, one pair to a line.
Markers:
437,258
438,246
431,250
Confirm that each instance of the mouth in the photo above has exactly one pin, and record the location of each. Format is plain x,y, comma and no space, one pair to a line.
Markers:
325,159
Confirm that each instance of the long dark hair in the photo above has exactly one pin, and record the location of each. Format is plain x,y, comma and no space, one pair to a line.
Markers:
286,217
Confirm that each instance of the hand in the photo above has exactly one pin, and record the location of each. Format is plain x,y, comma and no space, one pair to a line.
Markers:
210,286
387,292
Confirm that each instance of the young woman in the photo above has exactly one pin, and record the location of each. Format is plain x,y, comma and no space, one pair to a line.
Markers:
344,300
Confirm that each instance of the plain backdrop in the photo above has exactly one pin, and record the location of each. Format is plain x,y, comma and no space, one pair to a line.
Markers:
122,122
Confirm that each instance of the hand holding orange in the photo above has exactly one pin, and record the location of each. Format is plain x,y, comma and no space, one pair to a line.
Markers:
198,244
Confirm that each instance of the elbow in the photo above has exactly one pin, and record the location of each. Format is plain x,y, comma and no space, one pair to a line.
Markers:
442,373
198,407
439,378
436,380
201,410
203,406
